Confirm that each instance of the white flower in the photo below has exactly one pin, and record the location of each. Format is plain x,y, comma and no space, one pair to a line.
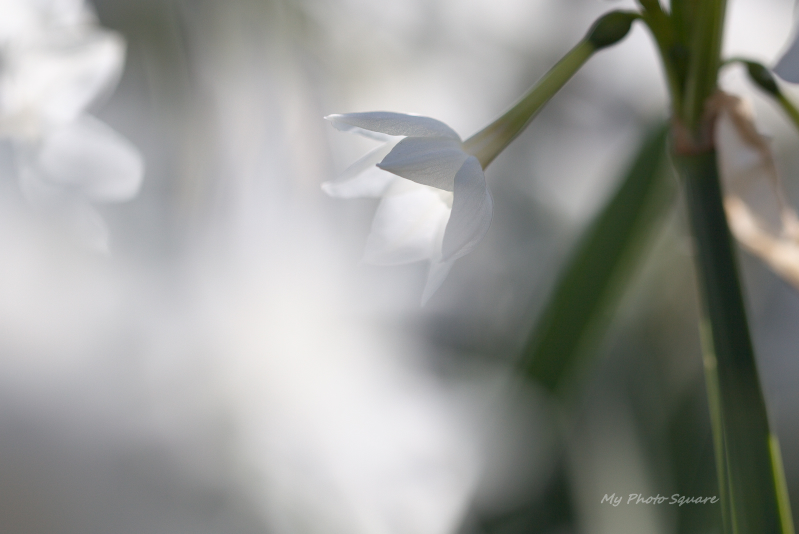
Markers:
435,202
447,208
54,63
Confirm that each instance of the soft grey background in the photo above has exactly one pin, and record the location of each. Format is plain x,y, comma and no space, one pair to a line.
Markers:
232,367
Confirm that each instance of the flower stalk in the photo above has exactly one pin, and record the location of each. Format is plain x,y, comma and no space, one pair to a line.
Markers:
443,207
747,459
704,60
663,30
489,142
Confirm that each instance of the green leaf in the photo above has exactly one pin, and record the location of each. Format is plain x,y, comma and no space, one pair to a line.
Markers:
587,289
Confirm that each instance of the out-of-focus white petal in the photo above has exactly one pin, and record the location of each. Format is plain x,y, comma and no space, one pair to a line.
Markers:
432,161
472,209
66,12
30,19
65,207
390,123
17,19
435,277
55,79
89,226
37,191
408,225
371,183
362,178
88,156
788,66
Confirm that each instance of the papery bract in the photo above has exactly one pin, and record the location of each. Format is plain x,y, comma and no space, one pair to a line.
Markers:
759,215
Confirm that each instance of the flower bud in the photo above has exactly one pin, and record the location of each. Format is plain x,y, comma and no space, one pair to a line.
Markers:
610,28
762,77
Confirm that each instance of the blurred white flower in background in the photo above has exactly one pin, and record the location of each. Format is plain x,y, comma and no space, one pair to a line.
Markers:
435,207
54,63
787,66
243,351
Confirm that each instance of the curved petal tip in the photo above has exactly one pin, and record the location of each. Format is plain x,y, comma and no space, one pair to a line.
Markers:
472,211
435,277
394,124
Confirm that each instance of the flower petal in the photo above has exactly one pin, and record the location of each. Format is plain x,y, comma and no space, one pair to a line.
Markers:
408,225
472,209
788,66
371,183
54,81
17,20
89,227
432,161
362,178
65,208
90,157
68,12
435,277
390,123
38,192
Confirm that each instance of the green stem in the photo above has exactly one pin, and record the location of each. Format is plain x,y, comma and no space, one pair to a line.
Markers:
749,476
662,28
491,140
704,61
